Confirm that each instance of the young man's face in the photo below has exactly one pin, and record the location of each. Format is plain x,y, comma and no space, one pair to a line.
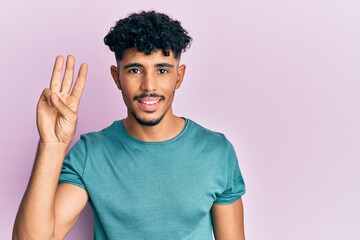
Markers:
148,84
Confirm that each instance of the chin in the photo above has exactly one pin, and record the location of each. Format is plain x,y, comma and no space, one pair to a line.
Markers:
148,122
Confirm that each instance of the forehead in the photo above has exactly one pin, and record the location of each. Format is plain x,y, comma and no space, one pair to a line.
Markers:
156,57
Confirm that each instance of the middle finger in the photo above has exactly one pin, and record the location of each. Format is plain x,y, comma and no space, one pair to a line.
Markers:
68,75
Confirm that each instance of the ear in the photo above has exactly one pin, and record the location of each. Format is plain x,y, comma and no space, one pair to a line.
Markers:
181,73
115,74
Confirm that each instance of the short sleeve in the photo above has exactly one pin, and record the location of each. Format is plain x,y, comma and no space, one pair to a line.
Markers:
235,185
73,167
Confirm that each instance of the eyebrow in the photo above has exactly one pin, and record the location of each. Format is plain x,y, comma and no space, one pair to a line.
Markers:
140,65
133,65
164,65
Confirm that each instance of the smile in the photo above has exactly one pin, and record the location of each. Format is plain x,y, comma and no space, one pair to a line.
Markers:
150,102
149,105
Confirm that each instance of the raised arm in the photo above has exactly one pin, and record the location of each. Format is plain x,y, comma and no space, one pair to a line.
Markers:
228,221
49,210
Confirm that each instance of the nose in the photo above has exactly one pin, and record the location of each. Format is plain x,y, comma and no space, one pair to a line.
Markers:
149,83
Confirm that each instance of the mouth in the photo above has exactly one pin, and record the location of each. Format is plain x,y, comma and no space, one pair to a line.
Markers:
149,104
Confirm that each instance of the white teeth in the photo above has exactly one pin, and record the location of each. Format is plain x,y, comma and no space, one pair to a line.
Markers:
150,102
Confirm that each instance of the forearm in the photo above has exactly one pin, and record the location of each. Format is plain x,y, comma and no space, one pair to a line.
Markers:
35,218
228,221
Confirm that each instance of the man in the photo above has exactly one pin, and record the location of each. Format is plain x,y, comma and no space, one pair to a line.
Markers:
152,175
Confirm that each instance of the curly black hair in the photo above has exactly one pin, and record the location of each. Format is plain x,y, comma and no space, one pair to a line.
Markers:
148,31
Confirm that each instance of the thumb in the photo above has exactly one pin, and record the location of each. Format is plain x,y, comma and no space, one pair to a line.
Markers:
64,110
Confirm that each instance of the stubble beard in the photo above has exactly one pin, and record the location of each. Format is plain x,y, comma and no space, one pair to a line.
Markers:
149,123
153,122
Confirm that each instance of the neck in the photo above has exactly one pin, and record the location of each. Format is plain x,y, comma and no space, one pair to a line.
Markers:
169,127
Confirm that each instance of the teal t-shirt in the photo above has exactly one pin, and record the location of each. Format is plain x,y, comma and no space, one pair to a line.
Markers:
154,190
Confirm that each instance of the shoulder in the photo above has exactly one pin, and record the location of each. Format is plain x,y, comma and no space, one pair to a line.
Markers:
210,137
108,132
104,136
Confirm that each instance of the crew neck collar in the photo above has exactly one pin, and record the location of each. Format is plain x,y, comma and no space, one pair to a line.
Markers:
169,141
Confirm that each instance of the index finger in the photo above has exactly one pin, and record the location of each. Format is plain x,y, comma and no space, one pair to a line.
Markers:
80,82
55,83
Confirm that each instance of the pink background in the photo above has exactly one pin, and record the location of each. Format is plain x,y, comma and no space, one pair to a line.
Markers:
280,78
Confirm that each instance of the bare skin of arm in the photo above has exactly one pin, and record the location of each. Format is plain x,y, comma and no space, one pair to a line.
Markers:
49,210
228,221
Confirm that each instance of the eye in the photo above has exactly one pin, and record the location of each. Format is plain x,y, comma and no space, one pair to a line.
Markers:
134,71
163,71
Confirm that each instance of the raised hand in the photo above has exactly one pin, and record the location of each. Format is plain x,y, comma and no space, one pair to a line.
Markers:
58,105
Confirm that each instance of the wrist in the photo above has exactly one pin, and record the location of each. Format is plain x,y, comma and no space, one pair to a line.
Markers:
58,147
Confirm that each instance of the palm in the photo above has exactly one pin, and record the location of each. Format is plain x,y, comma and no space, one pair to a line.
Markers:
56,120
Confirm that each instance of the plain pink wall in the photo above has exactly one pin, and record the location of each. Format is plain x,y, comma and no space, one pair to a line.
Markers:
280,78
